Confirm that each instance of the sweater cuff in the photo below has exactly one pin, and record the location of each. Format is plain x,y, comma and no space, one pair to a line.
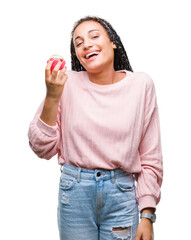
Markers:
146,202
47,129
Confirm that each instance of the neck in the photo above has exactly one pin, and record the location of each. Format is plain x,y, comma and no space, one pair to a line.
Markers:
103,77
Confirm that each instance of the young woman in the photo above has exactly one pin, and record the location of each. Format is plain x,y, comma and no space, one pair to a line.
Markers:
102,120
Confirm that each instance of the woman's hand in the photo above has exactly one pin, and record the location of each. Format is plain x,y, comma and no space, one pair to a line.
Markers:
145,230
55,80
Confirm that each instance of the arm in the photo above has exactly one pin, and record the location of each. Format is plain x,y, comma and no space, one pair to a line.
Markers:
44,130
43,138
149,180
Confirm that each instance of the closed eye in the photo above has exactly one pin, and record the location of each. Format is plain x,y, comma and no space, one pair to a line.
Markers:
95,36
77,45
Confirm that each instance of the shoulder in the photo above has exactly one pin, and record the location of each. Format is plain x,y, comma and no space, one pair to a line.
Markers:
143,78
142,81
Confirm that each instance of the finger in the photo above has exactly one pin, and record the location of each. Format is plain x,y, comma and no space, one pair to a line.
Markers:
64,79
57,63
56,69
62,76
63,70
48,68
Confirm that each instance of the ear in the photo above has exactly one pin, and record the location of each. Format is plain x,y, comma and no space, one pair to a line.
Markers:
114,46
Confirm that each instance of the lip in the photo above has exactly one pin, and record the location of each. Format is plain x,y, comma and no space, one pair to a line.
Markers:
91,59
88,52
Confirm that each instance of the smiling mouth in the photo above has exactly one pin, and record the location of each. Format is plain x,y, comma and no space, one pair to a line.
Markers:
91,55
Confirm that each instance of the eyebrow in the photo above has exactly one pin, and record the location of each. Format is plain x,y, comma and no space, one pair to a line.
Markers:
88,32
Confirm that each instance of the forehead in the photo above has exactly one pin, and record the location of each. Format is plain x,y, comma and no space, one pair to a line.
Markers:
84,27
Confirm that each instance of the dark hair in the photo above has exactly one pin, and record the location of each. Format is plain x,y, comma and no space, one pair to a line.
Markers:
121,60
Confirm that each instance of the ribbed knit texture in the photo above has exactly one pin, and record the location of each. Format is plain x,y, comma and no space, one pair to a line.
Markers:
106,127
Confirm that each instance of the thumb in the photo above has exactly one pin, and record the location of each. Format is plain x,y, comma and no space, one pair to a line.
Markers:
138,236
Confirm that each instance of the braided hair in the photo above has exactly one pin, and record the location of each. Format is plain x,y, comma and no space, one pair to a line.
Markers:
121,60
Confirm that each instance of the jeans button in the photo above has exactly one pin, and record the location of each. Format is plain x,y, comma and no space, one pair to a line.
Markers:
98,174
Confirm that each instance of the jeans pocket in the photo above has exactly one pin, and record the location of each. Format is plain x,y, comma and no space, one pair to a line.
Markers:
67,182
125,182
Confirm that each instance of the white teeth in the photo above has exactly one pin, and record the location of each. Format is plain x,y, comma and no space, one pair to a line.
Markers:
88,55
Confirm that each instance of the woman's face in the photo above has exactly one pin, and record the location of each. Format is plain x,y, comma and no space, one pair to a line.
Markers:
93,47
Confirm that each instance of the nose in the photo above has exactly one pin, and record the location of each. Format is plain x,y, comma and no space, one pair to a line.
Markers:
87,43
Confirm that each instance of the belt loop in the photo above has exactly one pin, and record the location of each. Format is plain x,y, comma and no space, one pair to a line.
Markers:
112,176
61,168
79,172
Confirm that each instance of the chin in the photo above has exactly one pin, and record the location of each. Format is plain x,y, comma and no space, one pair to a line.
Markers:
93,69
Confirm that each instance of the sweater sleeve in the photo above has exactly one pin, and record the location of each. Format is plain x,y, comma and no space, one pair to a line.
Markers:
44,139
149,180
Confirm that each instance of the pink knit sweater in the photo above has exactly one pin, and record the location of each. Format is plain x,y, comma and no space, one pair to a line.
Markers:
106,127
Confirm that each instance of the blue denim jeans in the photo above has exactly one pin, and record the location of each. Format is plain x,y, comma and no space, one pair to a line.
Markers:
93,203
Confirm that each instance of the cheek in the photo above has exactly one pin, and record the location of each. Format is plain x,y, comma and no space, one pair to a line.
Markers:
77,54
107,46
110,52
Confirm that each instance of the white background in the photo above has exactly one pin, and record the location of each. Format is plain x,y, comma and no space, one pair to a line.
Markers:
156,37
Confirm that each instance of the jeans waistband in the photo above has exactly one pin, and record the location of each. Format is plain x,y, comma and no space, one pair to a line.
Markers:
91,174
